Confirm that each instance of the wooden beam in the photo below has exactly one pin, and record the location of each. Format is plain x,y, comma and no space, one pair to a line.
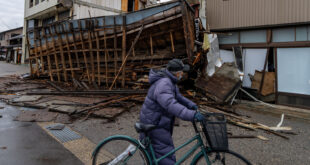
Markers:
124,5
30,61
136,5
105,54
68,50
59,37
98,54
84,53
172,42
185,28
55,55
151,45
264,72
115,49
36,55
41,57
92,63
123,52
129,52
48,57
74,44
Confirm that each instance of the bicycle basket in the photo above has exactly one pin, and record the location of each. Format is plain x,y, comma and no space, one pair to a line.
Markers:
214,128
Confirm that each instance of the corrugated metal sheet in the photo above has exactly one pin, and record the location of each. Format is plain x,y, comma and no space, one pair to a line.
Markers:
233,14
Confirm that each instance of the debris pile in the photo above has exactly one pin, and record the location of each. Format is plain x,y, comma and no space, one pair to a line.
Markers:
98,67
113,52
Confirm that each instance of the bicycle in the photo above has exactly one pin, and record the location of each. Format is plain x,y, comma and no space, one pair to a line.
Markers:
121,149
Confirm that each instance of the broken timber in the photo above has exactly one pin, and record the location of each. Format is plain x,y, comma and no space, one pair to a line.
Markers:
109,50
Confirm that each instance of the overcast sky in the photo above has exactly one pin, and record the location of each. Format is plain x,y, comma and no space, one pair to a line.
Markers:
11,14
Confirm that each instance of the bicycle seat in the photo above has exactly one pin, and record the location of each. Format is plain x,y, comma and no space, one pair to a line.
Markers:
140,127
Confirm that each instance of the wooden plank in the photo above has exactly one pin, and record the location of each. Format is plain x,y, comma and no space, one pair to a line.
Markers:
48,56
105,53
74,44
55,55
123,52
36,54
133,51
68,51
115,49
129,52
136,5
41,57
98,54
185,27
124,5
151,45
92,63
264,71
84,53
30,61
172,42
59,37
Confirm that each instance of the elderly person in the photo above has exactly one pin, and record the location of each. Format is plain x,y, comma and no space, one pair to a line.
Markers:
162,104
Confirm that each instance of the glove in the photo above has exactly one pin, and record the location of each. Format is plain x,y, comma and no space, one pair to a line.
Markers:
199,116
195,107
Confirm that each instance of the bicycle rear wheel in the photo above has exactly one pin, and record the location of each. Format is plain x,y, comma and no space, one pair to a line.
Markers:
223,158
119,151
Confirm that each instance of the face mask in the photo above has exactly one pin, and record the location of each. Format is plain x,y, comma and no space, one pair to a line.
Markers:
180,77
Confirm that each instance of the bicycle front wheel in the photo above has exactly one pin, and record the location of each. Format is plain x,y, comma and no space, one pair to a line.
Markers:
223,158
119,151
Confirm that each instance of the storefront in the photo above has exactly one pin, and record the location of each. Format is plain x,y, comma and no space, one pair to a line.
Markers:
285,51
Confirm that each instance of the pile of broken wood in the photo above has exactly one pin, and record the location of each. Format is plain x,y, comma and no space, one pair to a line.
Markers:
48,96
71,104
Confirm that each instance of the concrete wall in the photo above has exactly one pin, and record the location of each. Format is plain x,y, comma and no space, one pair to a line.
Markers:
96,8
7,34
29,11
236,14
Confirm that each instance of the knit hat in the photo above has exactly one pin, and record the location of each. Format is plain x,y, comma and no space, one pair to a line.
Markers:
177,65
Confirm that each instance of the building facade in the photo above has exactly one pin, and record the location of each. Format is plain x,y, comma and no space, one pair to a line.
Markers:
11,45
274,36
43,12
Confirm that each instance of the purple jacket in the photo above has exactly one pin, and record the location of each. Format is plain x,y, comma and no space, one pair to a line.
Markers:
162,104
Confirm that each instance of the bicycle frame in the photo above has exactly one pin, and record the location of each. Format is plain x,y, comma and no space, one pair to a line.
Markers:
188,153
151,155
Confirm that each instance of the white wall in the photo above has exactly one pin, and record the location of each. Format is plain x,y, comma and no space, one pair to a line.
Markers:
39,7
81,11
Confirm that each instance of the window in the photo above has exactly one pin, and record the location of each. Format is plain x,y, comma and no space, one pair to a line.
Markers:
293,70
37,2
229,38
283,35
1,37
31,23
30,3
48,21
253,36
64,15
291,34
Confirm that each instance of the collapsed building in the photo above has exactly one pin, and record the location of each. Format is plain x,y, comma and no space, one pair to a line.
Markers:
114,51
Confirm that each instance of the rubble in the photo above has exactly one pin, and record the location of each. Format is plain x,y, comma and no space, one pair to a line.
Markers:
36,116
113,52
222,85
98,67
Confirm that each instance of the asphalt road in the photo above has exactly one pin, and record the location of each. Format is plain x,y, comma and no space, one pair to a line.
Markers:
11,69
25,143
